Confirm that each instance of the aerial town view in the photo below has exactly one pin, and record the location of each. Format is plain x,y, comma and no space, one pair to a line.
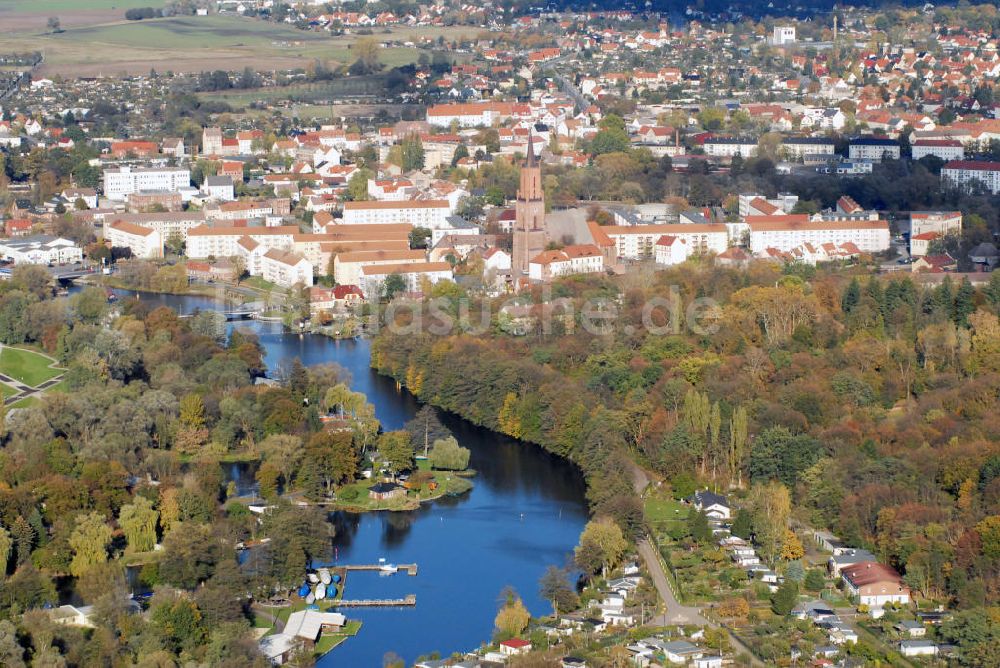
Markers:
389,334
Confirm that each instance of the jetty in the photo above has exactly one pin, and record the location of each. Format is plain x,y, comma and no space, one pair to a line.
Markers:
411,569
410,600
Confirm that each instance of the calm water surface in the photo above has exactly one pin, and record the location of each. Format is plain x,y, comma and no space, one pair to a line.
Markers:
526,512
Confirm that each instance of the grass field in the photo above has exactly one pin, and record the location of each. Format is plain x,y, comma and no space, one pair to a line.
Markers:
186,43
38,6
662,510
27,367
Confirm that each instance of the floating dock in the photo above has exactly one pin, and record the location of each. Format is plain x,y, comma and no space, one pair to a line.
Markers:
411,569
410,600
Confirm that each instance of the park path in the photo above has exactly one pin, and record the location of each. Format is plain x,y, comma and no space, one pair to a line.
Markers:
23,390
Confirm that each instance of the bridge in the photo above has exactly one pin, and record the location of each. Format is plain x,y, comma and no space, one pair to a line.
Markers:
248,311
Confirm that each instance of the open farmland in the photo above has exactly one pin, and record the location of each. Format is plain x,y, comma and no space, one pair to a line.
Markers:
194,44
32,15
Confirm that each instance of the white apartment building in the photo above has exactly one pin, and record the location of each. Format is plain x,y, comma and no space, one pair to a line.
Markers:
797,148
203,242
942,222
639,241
144,242
121,182
347,266
946,149
166,223
432,213
963,173
875,149
782,35
728,147
469,115
285,269
391,190
40,249
785,233
578,259
412,273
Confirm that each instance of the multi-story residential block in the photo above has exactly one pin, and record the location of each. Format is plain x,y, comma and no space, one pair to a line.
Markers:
728,147
347,266
144,242
471,115
797,148
166,223
942,222
412,273
946,149
204,241
121,182
431,214
285,268
785,233
875,149
965,174
639,241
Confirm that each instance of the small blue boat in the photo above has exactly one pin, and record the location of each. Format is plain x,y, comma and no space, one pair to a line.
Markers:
336,578
304,590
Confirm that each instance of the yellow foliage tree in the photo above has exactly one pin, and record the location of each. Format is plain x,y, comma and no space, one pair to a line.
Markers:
791,547
508,419
512,619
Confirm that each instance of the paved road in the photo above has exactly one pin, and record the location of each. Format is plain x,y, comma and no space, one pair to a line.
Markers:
675,612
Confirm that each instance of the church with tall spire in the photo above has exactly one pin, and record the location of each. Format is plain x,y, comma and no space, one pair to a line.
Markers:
529,223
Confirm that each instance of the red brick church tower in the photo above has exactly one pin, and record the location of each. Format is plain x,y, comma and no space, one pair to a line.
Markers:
529,224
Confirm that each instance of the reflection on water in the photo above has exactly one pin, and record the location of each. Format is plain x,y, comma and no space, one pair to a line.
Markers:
526,512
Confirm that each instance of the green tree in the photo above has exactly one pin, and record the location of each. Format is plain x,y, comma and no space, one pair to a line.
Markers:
556,588
5,545
395,449
602,545
785,599
448,455
393,285
357,185
138,521
698,527
89,543
815,580
24,536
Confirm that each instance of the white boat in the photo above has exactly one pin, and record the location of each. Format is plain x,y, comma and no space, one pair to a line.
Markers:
320,591
387,569
324,576
310,599
313,578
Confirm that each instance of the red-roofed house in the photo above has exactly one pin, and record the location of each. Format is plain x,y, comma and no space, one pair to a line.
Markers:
874,584
514,646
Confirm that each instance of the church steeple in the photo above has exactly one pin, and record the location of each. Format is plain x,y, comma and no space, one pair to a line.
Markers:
529,224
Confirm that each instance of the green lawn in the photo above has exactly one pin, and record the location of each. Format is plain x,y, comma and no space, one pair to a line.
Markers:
26,366
662,510
7,391
191,32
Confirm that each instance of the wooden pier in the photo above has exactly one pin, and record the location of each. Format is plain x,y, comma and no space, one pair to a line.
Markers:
411,569
410,600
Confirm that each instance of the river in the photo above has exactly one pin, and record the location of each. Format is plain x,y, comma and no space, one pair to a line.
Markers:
525,513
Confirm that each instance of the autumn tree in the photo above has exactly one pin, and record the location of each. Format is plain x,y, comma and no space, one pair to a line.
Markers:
512,618
770,506
138,522
602,545
395,449
89,543
5,545
791,547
